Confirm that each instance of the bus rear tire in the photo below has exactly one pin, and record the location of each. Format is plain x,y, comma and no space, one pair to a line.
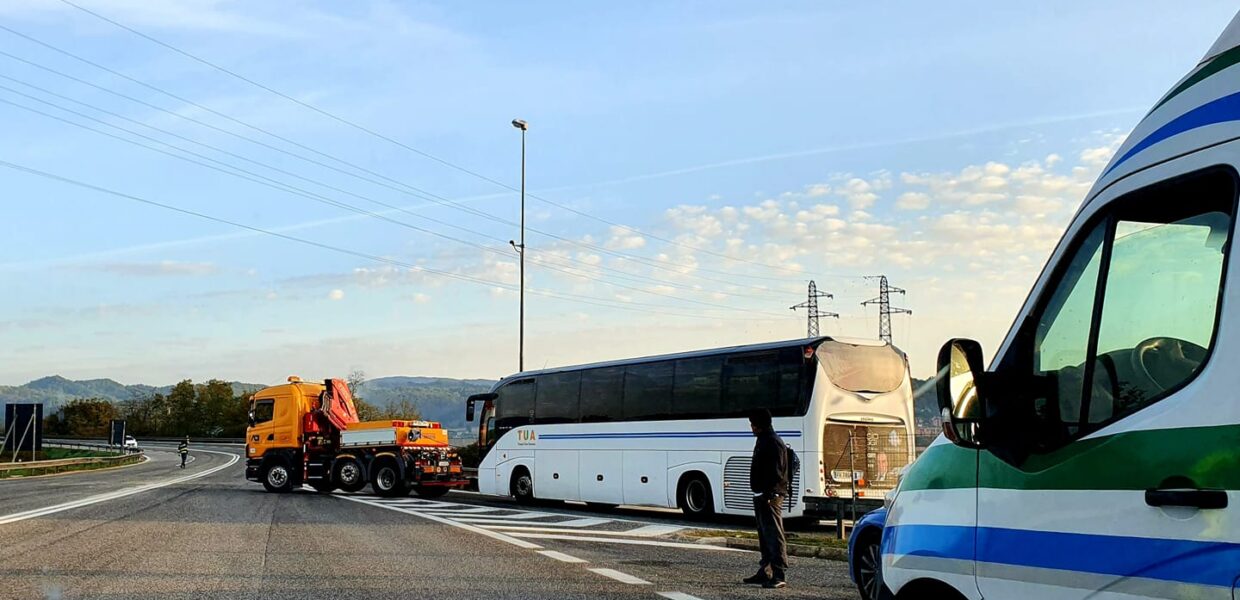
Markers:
349,474
430,491
694,497
386,479
522,486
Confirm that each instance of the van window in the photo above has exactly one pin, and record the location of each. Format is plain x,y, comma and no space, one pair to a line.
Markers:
1134,313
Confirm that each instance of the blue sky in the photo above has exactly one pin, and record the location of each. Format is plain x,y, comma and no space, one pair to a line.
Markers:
772,143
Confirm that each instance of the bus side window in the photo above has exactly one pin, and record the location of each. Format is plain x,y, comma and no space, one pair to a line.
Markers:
1134,313
602,395
696,391
648,391
558,397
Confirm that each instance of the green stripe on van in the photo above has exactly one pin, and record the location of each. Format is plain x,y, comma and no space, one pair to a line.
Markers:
1220,62
1138,460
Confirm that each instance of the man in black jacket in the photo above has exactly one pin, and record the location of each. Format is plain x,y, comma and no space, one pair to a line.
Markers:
768,480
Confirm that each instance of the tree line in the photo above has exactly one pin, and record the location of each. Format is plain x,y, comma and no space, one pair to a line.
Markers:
200,410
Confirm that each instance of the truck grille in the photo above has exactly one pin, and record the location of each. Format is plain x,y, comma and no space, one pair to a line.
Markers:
736,494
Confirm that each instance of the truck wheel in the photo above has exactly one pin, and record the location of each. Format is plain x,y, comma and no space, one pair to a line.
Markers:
694,497
522,486
349,475
386,480
323,487
430,491
277,477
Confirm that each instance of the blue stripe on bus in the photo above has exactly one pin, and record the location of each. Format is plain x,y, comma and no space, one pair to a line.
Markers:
1183,561
658,434
1221,110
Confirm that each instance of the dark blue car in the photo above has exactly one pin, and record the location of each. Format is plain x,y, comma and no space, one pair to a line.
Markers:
865,557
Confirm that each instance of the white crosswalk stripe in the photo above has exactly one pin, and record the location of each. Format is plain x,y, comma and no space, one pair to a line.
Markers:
541,525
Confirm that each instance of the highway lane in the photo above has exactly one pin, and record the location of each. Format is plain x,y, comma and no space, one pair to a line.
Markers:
223,537
21,494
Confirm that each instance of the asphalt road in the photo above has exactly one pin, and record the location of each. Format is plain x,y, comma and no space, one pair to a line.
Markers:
91,535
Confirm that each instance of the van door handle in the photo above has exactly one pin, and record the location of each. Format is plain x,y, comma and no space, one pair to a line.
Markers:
1192,498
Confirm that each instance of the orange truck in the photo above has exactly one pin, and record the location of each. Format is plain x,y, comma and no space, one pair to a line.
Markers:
308,433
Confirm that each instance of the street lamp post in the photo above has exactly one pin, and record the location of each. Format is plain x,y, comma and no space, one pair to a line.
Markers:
520,248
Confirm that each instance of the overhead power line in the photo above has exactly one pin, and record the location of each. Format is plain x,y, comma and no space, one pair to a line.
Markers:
595,301
661,264
287,188
419,152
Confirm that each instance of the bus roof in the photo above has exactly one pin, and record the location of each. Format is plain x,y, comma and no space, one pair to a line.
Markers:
815,342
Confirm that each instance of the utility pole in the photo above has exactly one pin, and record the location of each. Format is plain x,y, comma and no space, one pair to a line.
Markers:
811,307
520,248
885,309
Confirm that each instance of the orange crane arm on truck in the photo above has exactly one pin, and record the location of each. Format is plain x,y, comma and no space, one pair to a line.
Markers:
309,433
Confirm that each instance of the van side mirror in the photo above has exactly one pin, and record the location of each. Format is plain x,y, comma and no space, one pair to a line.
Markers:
962,403
469,403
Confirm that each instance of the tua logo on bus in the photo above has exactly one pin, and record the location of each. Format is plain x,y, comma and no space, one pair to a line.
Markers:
526,437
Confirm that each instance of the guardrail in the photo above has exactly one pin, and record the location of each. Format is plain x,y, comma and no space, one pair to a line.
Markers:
85,446
47,467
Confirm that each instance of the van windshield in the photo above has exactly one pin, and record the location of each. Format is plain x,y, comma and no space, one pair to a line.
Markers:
857,368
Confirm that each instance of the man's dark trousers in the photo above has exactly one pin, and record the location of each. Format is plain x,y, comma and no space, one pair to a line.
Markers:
769,512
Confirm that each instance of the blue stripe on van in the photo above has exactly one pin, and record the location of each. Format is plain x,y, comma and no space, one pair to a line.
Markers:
1221,110
1183,561
658,434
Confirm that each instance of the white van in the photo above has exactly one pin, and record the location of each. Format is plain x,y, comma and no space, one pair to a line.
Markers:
1099,457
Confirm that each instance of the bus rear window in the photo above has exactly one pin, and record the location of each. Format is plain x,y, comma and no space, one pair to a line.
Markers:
856,368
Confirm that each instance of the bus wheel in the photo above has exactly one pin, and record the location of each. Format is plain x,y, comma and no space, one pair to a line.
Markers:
386,480
348,474
277,477
430,491
522,486
695,498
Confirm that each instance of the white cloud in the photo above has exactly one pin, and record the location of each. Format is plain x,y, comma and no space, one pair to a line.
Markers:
336,294
167,268
625,239
913,201
421,298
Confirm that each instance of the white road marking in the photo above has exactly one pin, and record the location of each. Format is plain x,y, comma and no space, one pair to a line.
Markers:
654,530
498,523
459,511
678,596
516,529
621,577
438,519
622,541
39,512
524,515
560,556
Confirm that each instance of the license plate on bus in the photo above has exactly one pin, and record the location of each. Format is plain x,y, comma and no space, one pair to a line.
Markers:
444,463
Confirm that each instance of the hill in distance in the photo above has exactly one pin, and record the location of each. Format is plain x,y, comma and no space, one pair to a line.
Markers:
437,398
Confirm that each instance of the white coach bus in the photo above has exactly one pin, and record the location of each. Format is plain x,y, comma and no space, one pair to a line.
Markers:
671,430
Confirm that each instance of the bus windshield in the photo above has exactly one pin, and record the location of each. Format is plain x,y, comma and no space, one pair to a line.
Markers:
858,368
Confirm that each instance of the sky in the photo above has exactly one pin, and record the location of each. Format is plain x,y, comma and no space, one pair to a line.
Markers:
338,191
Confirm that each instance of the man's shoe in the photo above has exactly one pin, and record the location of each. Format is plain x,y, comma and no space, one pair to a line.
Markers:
774,584
758,578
